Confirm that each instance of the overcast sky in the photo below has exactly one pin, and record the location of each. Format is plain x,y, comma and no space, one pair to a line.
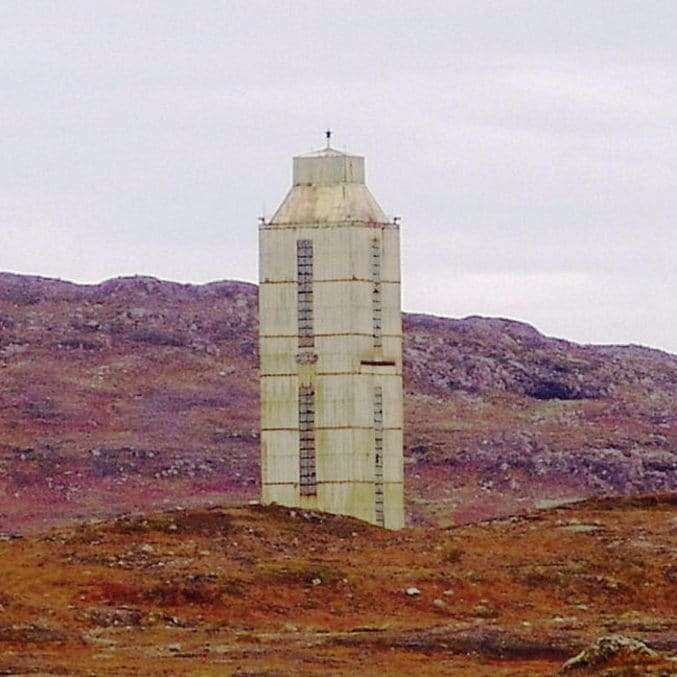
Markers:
529,147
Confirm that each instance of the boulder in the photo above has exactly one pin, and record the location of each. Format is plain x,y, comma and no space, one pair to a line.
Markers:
607,650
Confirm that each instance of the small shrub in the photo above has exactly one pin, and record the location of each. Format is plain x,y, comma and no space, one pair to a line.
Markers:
301,573
451,554
157,338
116,593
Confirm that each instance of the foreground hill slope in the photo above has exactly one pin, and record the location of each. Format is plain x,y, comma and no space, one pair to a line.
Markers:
137,393
277,591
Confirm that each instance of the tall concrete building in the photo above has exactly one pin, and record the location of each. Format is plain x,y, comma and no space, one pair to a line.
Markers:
331,346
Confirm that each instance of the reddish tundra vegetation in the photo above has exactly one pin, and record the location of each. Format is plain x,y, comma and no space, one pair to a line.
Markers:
129,444
138,393
273,591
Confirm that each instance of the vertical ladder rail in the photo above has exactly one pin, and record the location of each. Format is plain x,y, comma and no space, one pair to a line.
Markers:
376,305
378,456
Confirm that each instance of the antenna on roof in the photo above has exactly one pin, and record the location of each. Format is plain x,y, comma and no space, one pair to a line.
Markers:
328,135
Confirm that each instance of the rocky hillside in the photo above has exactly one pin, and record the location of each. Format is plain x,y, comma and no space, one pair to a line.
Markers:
137,393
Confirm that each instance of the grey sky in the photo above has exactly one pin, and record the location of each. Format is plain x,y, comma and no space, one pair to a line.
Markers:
529,147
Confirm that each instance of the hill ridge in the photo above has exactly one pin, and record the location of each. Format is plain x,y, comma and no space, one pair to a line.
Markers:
9,282
139,392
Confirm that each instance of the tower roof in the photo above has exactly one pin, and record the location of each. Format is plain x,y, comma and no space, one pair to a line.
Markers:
328,187
328,166
327,151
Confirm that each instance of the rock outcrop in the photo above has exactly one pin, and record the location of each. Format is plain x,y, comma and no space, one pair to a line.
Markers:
608,650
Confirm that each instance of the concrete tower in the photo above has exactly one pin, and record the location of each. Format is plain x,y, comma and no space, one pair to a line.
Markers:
331,346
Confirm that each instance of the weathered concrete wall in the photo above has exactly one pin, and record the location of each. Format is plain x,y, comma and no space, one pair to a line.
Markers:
357,452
